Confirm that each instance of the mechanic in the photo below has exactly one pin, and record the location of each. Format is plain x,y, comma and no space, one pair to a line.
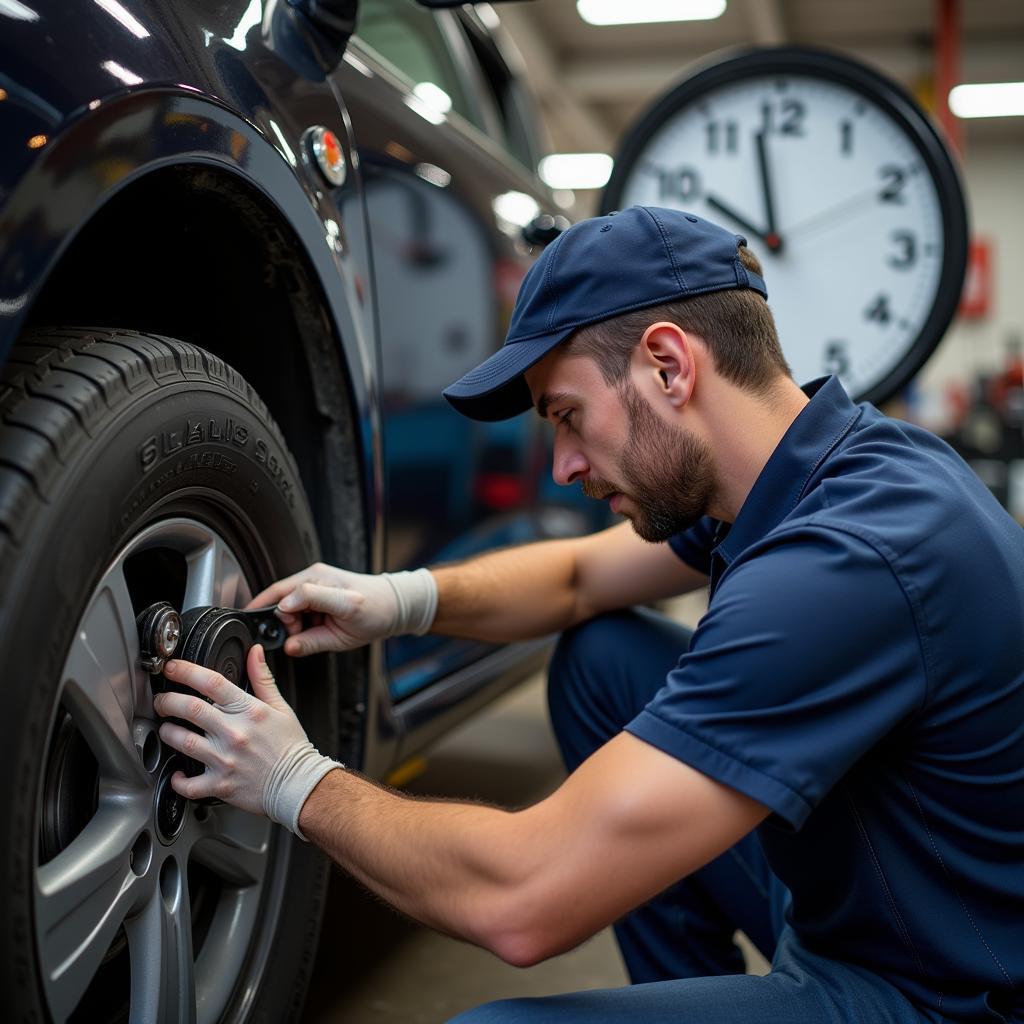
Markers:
854,693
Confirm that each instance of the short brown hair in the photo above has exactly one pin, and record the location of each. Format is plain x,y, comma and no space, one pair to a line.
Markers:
735,323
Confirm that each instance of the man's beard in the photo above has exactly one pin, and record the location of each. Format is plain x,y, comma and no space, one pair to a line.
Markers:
667,473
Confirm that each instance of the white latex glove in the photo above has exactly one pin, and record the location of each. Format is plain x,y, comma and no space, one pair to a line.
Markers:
344,610
257,754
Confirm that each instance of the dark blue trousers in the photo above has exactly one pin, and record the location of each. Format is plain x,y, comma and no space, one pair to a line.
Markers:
601,676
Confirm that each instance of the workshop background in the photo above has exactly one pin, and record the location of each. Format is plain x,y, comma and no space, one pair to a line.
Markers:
591,83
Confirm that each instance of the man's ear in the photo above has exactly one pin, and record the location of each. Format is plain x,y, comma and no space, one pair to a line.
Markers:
665,353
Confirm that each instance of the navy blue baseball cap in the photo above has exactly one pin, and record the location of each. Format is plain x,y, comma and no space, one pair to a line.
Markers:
595,270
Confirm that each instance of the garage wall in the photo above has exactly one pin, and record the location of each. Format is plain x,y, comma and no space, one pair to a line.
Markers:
994,180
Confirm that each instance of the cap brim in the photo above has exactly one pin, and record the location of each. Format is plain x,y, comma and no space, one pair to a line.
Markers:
496,390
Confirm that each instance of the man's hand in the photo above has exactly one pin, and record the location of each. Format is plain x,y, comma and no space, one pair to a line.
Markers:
257,754
349,609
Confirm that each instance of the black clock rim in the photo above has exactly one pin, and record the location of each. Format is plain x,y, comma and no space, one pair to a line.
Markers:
727,67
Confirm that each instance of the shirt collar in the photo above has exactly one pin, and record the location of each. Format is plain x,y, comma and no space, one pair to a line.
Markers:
819,427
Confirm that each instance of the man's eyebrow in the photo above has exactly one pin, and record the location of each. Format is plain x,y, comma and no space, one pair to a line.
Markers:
546,400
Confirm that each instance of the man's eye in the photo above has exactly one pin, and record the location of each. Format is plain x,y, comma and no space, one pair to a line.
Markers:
566,419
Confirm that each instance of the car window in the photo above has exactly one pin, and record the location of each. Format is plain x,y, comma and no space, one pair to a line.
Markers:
409,38
510,101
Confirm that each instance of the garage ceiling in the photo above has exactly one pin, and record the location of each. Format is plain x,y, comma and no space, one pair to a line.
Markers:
593,81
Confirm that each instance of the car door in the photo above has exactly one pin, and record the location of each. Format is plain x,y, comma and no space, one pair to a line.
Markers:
446,202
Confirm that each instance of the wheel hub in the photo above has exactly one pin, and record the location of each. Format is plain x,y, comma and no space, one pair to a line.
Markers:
105,796
171,808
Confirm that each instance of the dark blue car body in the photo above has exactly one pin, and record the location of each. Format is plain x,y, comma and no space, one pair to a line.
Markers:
156,175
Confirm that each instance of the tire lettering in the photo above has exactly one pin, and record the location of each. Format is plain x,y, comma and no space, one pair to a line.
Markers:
171,442
276,471
168,442
147,453
197,460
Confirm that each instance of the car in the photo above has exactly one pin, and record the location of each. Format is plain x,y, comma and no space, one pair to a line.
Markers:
241,252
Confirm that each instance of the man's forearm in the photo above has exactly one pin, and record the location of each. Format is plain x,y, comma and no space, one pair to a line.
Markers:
549,586
509,595
451,865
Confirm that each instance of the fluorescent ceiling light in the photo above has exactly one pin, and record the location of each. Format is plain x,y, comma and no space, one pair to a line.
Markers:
576,170
993,99
645,12
126,76
18,11
487,14
515,208
119,14
251,17
433,95
435,175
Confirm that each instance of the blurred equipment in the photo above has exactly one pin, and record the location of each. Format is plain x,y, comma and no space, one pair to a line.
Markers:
989,432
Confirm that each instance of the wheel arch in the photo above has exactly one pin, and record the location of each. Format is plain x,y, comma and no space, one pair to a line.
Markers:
222,245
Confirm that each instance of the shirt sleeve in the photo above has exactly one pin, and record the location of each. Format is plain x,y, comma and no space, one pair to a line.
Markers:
807,657
694,545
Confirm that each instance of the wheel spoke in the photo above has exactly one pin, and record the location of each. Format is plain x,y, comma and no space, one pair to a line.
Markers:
95,706
160,948
82,897
105,686
214,577
233,845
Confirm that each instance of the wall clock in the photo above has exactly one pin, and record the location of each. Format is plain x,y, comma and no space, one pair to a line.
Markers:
842,187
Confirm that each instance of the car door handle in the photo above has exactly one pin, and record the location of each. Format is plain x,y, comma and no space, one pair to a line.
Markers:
544,229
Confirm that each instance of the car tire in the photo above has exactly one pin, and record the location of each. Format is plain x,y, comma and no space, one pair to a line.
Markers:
142,459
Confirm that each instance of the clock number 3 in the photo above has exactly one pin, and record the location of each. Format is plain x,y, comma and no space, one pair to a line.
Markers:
906,256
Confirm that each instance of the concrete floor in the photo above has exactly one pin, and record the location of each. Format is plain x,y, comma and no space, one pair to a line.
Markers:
376,967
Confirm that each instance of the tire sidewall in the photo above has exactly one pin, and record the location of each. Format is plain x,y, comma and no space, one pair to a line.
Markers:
189,448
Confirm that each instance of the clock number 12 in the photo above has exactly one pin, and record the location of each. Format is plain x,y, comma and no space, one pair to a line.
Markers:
790,118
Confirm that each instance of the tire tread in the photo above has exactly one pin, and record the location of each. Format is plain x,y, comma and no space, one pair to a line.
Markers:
61,386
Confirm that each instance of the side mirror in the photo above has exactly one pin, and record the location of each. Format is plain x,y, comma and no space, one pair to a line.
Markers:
334,19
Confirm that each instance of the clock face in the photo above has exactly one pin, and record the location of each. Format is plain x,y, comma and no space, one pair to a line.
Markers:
841,193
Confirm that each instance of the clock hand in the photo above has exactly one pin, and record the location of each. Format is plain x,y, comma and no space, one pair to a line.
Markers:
841,209
771,235
715,203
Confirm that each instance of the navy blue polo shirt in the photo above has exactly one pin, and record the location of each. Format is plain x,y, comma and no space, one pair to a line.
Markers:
860,672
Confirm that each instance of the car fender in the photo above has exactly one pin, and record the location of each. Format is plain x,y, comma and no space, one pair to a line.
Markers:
96,157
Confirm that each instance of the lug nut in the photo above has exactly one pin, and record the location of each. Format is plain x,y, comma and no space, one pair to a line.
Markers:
170,634
159,633
268,631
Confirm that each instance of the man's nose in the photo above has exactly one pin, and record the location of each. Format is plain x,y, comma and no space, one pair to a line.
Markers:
568,463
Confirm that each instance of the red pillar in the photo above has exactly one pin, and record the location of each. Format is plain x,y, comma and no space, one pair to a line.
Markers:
947,68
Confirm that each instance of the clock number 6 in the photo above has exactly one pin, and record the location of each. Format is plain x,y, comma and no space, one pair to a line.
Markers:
837,357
